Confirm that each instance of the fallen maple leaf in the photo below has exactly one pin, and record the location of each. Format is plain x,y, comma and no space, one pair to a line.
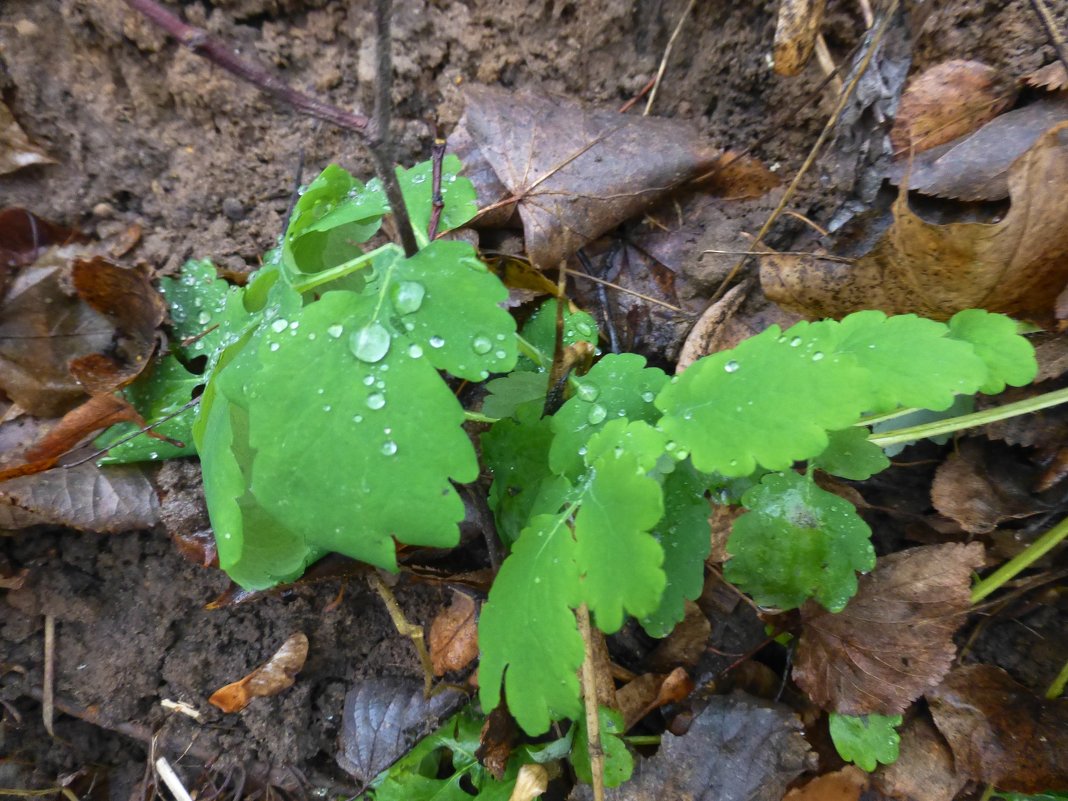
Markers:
272,677
894,639
1015,266
1000,732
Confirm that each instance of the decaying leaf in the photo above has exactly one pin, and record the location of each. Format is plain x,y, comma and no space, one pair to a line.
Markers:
497,740
924,768
976,166
796,30
575,173
383,718
846,784
1000,732
651,691
894,639
272,677
980,487
454,635
948,100
1014,266
1053,77
16,149
532,781
106,500
737,749
686,643
23,235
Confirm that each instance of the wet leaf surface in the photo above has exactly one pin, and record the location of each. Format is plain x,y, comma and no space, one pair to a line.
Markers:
274,676
737,749
383,718
935,270
1000,732
577,172
87,498
894,639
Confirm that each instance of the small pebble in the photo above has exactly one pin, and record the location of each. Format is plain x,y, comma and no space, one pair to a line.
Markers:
233,209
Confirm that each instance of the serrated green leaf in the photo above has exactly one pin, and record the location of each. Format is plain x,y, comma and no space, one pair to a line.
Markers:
866,740
527,631
198,301
618,386
798,541
851,455
1009,358
685,537
619,560
618,761
458,194
540,330
507,394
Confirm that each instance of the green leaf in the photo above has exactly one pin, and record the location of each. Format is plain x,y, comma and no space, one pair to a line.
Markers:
798,541
618,386
851,455
1049,796
685,537
618,761
619,560
527,631
458,194
507,394
867,739
540,330
198,300
1009,358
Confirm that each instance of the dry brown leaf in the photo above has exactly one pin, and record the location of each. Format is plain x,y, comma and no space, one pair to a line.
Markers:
532,781
924,768
686,643
497,740
575,172
272,677
23,235
981,486
796,30
650,691
738,177
454,635
843,785
946,101
106,500
16,149
1000,732
1052,77
894,639
1014,266
721,522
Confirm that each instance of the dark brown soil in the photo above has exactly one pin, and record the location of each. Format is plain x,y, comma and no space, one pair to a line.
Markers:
145,132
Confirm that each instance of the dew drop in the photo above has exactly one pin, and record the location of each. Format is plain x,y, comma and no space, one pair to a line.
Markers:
681,454
408,296
795,342
597,414
731,366
294,325
483,374
537,579
670,445
583,328
274,346
415,351
588,391
389,447
648,397
357,418
336,331
817,356
279,325
370,343
582,451
481,345
327,408
311,337
368,380
376,400
437,342
500,354
204,318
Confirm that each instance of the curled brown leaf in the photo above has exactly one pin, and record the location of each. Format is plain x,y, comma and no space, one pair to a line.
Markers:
272,677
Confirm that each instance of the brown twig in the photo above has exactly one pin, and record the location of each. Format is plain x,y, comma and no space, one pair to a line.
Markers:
437,156
48,705
667,55
1054,35
591,703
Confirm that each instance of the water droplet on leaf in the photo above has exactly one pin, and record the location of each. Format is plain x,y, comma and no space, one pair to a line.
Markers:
588,391
408,296
795,342
274,346
376,400
481,345
370,343
336,331
731,366
415,351
597,414
279,325
817,356
204,318
648,397
437,342
389,447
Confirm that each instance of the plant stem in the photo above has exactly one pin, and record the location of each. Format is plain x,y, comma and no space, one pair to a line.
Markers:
589,698
349,267
476,417
882,418
984,417
531,351
1056,689
1035,551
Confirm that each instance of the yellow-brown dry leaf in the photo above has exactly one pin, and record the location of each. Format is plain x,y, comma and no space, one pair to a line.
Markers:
924,769
270,678
651,691
843,785
454,636
1052,77
796,30
532,781
1015,266
946,101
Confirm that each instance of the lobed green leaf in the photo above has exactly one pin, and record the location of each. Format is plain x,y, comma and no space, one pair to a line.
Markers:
618,761
850,454
866,740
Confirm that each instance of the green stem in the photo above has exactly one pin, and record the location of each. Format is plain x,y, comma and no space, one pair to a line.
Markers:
938,427
531,351
349,267
1057,688
476,417
873,419
643,739
1035,551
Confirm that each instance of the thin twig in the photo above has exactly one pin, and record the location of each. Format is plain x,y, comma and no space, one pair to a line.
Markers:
171,779
646,298
589,697
862,67
667,54
1054,35
48,694
437,200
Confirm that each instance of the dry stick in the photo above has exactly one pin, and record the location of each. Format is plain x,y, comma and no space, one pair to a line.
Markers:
48,694
667,54
437,201
876,39
1054,35
589,695
371,130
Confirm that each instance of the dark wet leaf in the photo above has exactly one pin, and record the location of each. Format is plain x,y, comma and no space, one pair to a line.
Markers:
23,235
383,718
1000,732
105,500
894,639
274,676
16,149
575,172
737,749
